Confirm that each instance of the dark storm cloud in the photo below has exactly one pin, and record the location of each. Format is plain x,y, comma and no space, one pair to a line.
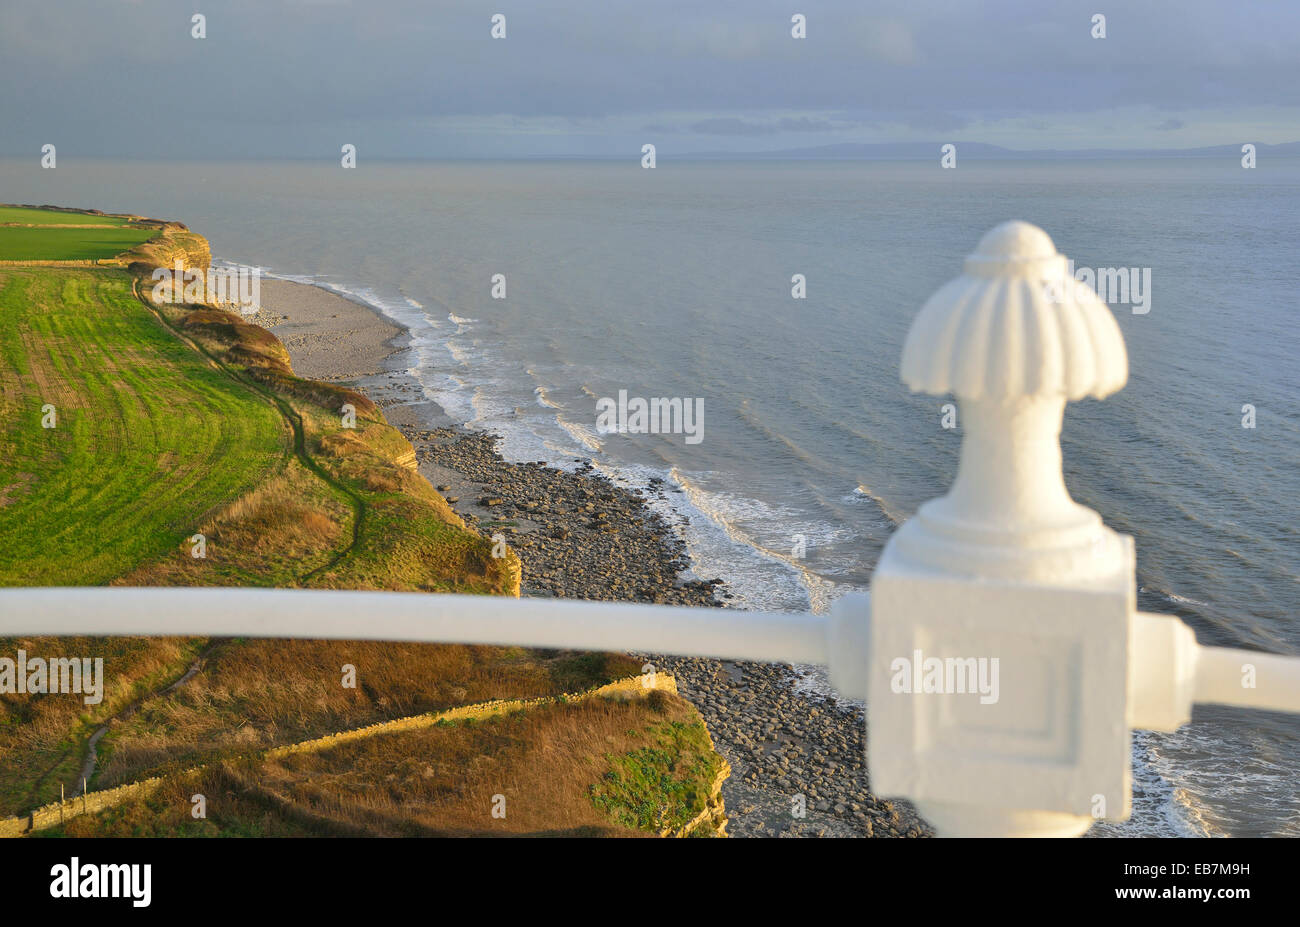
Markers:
419,77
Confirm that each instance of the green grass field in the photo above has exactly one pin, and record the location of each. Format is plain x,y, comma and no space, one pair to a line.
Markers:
148,436
49,235
55,244
54,217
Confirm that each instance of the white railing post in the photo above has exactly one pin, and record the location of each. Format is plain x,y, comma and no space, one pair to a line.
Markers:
996,698
1007,658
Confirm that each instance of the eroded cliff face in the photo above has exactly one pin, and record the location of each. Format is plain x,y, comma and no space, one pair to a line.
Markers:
712,821
174,247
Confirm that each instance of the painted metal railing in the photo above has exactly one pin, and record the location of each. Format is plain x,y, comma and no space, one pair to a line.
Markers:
1000,653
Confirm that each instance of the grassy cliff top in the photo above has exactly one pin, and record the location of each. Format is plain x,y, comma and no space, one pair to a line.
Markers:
48,234
54,215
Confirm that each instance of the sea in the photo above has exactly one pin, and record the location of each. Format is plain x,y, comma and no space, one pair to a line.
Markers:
533,290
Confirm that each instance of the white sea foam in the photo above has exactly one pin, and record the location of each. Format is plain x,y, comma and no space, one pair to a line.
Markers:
543,399
583,435
895,518
1174,597
724,534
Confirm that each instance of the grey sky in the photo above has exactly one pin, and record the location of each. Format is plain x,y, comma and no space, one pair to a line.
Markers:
404,78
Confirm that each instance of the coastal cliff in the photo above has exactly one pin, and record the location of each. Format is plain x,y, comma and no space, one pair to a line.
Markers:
209,461
344,436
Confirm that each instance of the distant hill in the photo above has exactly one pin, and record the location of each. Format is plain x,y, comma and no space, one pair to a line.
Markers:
917,151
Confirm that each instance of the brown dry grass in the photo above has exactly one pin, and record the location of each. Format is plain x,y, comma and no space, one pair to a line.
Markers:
440,781
261,693
42,737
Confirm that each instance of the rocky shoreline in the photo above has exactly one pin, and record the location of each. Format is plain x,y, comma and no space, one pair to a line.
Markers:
581,536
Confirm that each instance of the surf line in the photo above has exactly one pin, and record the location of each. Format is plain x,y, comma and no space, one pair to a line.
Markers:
656,416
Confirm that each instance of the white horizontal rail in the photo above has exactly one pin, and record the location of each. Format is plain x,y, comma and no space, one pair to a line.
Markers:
98,611
1222,678
777,637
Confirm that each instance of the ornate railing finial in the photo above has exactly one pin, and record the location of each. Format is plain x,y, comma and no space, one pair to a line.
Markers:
1014,338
